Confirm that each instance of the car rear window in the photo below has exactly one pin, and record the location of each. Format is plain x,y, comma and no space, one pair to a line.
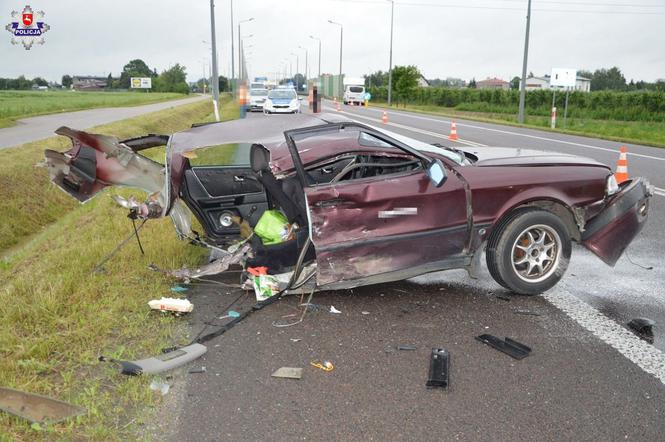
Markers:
356,89
220,155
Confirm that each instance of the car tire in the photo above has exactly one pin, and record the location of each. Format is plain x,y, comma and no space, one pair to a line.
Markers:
528,251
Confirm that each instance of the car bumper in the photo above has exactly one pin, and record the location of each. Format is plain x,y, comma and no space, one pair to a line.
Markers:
256,106
609,233
282,110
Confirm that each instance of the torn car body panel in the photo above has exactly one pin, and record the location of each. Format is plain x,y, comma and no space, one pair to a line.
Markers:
365,197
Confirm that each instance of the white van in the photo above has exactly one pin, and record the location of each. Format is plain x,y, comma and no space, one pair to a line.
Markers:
354,91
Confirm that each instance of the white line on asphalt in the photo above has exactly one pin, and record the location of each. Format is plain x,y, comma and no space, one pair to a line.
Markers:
439,120
644,355
413,129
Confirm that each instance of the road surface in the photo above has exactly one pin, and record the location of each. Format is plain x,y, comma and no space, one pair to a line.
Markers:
587,378
37,128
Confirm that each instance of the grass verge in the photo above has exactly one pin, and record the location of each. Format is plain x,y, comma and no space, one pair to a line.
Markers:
21,104
638,132
29,201
59,316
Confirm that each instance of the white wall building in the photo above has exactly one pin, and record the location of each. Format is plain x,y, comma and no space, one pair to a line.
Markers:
582,84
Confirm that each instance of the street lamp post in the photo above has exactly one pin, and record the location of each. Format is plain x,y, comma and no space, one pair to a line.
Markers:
297,69
306,63
240,45
520,114
390,65
341,46
233,54
315,38
242,68
215,76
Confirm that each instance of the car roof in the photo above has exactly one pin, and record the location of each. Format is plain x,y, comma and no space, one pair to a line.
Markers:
266,130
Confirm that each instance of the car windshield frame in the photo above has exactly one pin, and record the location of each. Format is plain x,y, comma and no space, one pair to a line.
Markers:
282,94
360,89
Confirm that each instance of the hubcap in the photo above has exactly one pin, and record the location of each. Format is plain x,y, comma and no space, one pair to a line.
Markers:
536,253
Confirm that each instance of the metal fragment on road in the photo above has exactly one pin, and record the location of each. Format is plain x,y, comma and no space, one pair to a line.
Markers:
409,347
508,346
288,373
439,369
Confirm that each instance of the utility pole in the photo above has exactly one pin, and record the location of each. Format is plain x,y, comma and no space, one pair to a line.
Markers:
240,68
390,66
315,38
520,115
341,46
215,75
306,63
233,54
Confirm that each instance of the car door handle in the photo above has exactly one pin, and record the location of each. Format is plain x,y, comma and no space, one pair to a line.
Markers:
327,170
329,203
238,178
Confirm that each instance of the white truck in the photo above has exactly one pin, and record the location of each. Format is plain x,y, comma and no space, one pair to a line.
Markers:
354,90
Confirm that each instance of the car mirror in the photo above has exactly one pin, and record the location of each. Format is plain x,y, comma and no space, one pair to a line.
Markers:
436,172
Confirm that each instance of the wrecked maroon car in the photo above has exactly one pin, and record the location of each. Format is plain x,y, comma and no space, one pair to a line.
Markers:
362,205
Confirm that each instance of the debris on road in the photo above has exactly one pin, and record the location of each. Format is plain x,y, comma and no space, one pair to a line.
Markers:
364,312
171,305
230,314
503,298
217,266
510,347
296,339
36,408
197,370
334,310
288,373
643,328
265,285
163,362
406,347
179,289
161,386
323,365
439,369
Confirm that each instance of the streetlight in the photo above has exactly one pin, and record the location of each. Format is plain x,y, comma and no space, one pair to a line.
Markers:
240,44
213,49
233,54
241,50
297,69
341,45
316,38
306,62
520,113
390,66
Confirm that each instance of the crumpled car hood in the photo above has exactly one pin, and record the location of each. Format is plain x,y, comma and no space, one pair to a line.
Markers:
509,156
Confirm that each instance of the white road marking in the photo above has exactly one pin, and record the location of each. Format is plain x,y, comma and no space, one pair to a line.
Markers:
413,129
571,143
642,354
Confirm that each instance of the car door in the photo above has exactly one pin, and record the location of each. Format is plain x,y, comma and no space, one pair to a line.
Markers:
386,227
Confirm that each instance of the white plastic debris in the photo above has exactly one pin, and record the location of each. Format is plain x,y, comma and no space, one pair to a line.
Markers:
159,385
334,310
364,312
171,305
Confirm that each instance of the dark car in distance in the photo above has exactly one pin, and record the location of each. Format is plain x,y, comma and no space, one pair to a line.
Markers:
375,205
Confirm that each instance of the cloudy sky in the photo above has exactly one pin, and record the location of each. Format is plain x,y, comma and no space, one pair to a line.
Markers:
458,38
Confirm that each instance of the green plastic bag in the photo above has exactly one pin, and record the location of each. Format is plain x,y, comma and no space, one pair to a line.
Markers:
272,227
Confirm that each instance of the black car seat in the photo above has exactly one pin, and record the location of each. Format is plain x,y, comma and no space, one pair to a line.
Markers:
288,193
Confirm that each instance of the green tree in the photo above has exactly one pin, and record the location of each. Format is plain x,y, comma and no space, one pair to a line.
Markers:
223,84
67,81
608,79
376,79
135,68
515,83
472,83
405,82
39,81
109,81
172,80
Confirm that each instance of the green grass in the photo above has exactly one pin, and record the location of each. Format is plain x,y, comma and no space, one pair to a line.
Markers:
638,132
21,104
59,316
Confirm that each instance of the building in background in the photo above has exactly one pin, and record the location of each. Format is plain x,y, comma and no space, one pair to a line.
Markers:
492,83
582,84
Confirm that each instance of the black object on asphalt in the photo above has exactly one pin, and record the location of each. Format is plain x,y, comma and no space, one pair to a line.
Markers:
510,347
643,328
406,347
439,369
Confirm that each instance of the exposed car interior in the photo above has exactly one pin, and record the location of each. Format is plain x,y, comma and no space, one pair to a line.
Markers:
236,181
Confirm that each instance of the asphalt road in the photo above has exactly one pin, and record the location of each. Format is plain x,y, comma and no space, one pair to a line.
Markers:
37,128
587,378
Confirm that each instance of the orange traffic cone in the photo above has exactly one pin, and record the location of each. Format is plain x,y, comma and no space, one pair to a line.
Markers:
453,131
621,174
385,117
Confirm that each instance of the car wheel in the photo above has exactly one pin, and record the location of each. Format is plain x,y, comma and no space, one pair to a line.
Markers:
529,251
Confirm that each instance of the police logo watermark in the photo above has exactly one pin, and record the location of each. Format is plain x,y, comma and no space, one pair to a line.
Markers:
29,30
